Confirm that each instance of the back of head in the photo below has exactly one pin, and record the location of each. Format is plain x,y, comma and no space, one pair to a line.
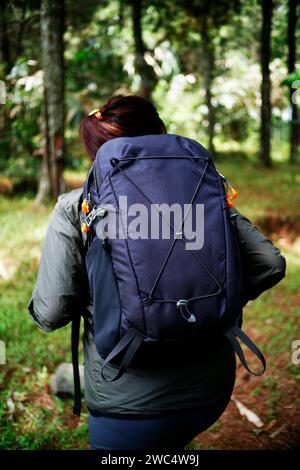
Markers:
120,116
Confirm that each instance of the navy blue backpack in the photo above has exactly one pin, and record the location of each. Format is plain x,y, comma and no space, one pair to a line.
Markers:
154,301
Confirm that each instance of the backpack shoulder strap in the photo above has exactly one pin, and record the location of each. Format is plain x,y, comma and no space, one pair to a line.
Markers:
75,335
75,338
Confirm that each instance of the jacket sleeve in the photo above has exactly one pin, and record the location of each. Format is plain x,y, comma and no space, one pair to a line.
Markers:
61,288
263,264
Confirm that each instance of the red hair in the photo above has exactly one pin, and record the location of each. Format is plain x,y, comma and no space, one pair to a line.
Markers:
120,116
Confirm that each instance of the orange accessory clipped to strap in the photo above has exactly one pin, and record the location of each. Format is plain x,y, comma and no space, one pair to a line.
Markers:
90,214
231,196
84,228
231,193
85,209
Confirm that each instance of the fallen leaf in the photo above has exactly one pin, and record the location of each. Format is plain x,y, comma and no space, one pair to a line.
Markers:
250,415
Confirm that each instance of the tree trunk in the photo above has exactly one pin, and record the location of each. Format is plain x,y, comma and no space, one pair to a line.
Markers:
44,190
52,29
266,111
208,61
295,128
6,64
145,71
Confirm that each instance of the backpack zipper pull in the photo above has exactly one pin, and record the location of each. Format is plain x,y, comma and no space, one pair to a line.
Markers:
182,305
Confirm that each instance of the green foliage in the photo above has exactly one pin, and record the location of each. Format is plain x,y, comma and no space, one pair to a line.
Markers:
291,78
99,60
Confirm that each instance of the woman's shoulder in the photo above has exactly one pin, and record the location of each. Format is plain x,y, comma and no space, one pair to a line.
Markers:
70,199
69,204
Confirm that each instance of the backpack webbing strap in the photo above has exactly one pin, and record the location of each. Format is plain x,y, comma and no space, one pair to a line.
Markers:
75,337
132,340
232,334
75,333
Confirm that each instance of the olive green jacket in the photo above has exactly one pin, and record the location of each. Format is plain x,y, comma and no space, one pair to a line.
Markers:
61,291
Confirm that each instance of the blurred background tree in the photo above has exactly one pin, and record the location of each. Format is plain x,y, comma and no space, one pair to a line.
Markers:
52,32
267,7
294,75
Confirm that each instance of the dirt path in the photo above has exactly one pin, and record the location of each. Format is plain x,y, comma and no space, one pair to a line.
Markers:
278,407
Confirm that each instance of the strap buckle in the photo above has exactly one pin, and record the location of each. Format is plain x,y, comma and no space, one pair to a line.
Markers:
97,211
